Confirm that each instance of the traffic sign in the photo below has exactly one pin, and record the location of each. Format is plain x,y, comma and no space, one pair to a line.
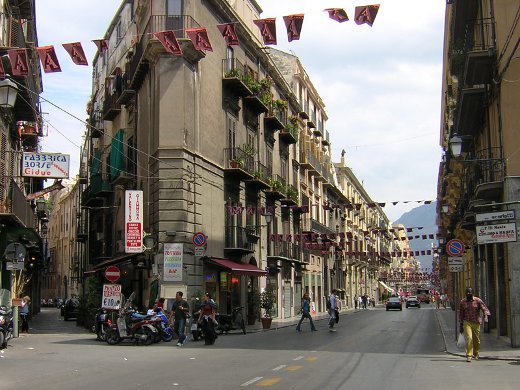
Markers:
455,267
200,251
455,260
455,247
15,252
112,273
199,239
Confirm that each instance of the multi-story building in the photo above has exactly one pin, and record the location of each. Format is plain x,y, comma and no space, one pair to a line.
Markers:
478,176
20,129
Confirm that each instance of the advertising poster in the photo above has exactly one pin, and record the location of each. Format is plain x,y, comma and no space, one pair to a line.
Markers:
492,234
111,299
173,262
133,221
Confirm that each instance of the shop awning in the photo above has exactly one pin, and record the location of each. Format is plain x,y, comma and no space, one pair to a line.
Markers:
113,261
389,289
236,268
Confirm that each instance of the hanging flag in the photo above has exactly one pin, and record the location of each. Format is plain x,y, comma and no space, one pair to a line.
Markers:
2,70
200,39
76,53
338,14
294,24
228,31
48,59
366,14
102,44
19,62
169,42
267,30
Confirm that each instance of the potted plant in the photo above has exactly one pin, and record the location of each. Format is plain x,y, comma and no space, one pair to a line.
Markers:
267,302
237,162
253,305
249,150
280,104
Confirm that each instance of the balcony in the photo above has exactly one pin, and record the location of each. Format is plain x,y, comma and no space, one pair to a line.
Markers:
111,107
326,140
292,198
470,112
126,94
95,125
260,177
238,165
15,209
276,117
283,250
149,46
318,131
238,241
289,134
82,228
311,122
277,188
98,189
234,77
484,176
481,53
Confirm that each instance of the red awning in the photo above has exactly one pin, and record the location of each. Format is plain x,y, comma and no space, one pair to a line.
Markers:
236,268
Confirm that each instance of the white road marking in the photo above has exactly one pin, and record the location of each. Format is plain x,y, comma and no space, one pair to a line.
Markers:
299,358
251,381
279,367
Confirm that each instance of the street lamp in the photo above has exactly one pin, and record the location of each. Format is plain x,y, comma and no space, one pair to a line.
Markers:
8,93
40,205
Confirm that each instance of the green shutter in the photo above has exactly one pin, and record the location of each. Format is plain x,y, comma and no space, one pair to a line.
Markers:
117,155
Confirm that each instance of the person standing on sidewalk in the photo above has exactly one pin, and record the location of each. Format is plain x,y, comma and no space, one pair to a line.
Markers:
24,313
180,310
333,311
470,320
306,313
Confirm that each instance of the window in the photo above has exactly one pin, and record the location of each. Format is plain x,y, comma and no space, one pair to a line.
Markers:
232,131
119,32
174,7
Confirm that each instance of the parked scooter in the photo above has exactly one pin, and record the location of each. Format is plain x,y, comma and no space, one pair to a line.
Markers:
141,331
233,321
102,324
6,326
160,322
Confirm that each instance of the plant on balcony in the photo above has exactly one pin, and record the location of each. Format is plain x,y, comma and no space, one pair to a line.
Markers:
249,150
280,104
277,186
237,162
252,84
292,193
232,73
266,98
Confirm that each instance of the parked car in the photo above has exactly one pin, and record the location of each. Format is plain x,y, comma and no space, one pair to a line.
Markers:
394,303
70,309
413,302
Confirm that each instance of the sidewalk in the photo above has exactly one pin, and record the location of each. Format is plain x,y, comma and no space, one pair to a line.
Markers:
491,346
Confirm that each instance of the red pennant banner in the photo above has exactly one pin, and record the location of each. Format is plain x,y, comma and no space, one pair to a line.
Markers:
267,30
294,24
76,53
102,44
200,39
169,42
337,14
19,62
366,14
2,70
228,31
48,59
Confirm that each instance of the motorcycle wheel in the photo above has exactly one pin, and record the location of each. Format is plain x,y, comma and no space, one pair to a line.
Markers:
150,336
167,335
3,340
102,332
112,337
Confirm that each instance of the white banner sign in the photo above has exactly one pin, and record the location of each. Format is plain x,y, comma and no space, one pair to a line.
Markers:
133,221
173,253
492,234
501,215
111,296
50,165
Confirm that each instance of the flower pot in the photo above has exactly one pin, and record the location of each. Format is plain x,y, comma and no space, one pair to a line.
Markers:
266,322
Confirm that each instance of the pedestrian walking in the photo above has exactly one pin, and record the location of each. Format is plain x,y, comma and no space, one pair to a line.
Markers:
180,310
364,301
355,301
306,313
24,313
470,309
207,319
333,311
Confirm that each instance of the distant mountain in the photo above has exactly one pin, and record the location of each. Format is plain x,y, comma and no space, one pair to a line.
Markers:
422,221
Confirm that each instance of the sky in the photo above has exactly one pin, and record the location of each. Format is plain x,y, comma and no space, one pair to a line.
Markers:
381,85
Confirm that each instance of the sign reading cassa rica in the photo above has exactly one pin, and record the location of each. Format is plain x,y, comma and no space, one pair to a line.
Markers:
133,221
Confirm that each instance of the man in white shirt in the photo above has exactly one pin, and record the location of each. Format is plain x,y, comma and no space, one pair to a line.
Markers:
333,311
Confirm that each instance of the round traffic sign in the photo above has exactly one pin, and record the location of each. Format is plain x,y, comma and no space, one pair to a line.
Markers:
112,273
455,247
199,239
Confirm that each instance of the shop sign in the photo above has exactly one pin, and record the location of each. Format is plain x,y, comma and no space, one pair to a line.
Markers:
133,221
48,165
173,253
491,217
492,234
111,298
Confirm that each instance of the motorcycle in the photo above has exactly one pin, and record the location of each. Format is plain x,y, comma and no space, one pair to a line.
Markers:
160,322
6,326
102,324
140,330
233,321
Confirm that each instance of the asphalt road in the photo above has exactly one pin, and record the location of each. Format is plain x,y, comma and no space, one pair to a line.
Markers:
371,349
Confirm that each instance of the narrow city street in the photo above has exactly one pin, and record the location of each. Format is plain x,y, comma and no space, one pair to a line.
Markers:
372,349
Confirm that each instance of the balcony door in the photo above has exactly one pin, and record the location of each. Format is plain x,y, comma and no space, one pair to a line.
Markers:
174,20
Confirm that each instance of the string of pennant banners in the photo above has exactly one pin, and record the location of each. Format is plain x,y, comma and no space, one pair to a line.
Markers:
199,37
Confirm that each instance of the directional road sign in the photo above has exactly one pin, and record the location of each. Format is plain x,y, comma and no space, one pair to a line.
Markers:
455,247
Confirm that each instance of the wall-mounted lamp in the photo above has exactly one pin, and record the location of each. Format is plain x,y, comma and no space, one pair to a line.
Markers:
456,146
268,217
8,93
148,242
445,208
40,205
